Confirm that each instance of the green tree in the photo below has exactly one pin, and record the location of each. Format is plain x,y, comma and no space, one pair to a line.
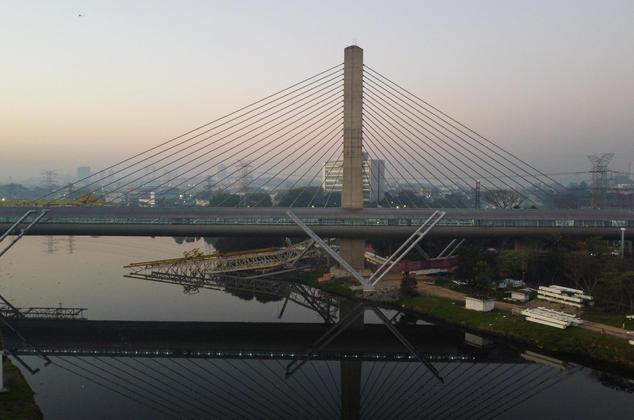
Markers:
512,263
257,199
468,256
225,200
15,191
484,276
452,200
408,284
615,291
300,197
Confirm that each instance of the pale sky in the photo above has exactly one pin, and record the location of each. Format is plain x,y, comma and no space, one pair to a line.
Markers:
550,81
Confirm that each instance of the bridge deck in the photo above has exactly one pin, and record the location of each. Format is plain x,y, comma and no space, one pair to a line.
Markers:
370,222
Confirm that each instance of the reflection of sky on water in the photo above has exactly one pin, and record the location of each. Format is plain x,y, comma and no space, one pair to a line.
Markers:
88,272
92,277
235,388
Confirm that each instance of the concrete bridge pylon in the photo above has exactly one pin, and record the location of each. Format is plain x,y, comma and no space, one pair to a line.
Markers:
352,250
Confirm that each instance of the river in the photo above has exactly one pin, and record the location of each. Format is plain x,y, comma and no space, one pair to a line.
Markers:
222,354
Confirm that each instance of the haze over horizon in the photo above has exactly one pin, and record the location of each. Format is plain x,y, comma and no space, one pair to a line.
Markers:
548,81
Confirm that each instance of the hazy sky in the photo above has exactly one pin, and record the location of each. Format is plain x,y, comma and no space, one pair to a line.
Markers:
550,80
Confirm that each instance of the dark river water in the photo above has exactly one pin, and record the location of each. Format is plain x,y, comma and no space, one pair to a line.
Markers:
229,354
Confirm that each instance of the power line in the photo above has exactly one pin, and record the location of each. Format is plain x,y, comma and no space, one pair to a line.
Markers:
461,125
200,127
456,145
216,141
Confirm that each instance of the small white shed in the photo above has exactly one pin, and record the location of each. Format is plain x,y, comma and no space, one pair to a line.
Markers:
521,295
479,304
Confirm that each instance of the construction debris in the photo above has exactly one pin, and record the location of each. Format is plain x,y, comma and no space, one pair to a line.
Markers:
551,318
565,296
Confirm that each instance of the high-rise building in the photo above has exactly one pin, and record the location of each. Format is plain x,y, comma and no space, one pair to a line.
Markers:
83,172
373,173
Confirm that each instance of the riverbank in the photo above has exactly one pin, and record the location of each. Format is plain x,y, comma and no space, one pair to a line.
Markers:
582,345
576,343
18,403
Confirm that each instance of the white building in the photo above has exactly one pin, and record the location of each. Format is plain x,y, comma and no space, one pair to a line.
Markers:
149,201
373,172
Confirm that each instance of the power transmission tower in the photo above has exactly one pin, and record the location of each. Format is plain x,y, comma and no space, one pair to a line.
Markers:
51,245
245,175
71,244
221,173
50,178
600,179
477,203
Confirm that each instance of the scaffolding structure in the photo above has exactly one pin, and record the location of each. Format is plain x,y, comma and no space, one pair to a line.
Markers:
9,312
60,313
197,265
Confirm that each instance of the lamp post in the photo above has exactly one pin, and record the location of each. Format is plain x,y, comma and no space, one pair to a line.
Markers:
2,387
622,242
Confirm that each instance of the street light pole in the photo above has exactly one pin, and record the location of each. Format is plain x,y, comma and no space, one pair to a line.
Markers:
622,242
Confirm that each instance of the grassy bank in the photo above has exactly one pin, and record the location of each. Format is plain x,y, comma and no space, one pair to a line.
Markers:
18,403
334,287
573,342
614,319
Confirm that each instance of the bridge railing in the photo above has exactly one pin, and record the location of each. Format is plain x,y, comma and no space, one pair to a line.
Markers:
449,221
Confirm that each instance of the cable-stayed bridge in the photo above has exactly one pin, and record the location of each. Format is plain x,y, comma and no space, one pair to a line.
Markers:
355,153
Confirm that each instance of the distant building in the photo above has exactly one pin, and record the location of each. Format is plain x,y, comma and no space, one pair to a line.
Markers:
83,172
201,203
115,198
148,201
373,173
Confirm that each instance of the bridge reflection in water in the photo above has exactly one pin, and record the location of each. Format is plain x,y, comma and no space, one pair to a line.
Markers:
240,370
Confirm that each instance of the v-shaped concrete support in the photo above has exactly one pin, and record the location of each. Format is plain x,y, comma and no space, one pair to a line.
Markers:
395,258
368,284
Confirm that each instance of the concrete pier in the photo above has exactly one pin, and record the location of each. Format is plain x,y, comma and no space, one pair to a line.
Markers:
352,250
352,191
